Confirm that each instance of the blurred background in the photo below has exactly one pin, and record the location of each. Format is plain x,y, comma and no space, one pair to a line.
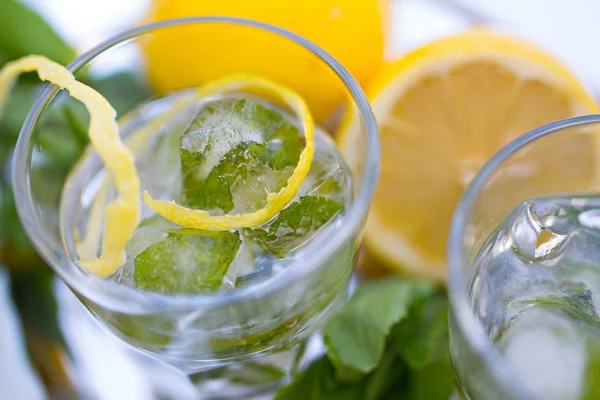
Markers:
49,346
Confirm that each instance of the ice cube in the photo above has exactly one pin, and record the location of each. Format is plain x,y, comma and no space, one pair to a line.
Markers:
143,238
241,181
151,230
186,261
234,152
293,226
590,219
548,242
242,264
159,166
327,176
321,197
549,351
249,193
248,266
540,230
124,275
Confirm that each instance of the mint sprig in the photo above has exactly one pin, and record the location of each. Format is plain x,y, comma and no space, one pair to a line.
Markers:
365,322
389,341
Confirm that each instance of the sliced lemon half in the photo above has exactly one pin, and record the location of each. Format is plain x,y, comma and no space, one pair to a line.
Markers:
443,110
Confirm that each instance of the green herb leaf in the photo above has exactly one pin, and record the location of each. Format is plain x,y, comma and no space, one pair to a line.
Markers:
317,382
356,336
580,308
294,225
433,382
10,227
123,90
186,261
255,373
24,32
591,385
33,296
379,383
245,161
237,148
391,342
423,336
17,105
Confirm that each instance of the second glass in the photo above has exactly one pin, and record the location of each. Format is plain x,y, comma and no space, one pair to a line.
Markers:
524,271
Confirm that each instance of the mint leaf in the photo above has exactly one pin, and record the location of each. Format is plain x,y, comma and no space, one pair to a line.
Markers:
186,261
327,177
124,90
294,225
591,385
378,384
10,228
317,382
255,373
433,382
24,32
391,342
150,331
244,161
421,340
423,336
356,336
149,231
580,307
15,109
236,145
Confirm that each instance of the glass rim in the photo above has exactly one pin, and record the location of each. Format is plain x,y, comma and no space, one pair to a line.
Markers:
316,253
467,324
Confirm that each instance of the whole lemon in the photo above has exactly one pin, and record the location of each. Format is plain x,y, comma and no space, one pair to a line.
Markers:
352,31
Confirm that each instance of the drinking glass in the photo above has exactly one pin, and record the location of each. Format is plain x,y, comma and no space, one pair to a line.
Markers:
232,344
557,159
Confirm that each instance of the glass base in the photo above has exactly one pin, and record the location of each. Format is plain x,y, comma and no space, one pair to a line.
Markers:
260,377
256,378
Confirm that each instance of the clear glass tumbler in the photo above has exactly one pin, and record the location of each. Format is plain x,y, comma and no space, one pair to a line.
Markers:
212,337
554,160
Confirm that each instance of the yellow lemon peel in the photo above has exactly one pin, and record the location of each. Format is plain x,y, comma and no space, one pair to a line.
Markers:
199,219
89,243
443,110
123,213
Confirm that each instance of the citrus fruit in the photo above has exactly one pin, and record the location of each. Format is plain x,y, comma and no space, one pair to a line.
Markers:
352,31
443,110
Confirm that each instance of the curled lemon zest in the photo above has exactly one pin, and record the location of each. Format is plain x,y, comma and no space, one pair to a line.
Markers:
123,213
199,219
134,143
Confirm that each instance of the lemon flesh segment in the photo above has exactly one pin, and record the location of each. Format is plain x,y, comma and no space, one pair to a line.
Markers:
200,219
443,111
123,213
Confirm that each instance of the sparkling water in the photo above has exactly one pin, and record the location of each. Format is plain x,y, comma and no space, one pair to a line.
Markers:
536,289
